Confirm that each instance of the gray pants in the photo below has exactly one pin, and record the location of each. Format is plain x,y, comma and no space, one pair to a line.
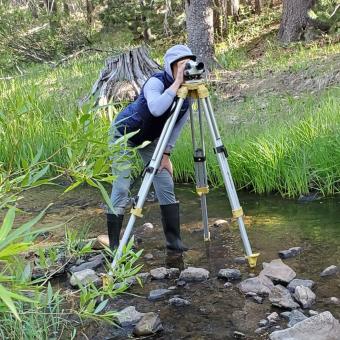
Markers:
162,182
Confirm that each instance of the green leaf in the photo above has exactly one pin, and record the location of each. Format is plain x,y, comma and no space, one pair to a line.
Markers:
5,296
72,186
36,158
101,306
13,249
105,195
40,174
7,223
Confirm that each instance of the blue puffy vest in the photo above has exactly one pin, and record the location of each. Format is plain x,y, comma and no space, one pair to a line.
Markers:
137,116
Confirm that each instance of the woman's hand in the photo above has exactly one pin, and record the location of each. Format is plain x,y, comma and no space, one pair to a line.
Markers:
179,75
166,164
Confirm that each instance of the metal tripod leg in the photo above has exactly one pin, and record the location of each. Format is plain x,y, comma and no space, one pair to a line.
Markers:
202,187
221,154
150,172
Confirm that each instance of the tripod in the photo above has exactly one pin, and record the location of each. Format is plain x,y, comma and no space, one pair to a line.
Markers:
196,90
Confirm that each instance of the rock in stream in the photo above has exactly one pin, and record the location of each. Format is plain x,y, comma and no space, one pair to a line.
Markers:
277,271
149,324
193,274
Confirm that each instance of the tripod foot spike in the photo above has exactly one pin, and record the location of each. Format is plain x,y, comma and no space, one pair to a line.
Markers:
252,259
207,239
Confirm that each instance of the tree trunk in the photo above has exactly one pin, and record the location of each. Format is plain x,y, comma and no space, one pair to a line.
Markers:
200,28
294,19
258,7
234,9
89,12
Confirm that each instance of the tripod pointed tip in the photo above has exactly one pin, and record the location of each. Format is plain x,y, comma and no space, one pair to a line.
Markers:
252,259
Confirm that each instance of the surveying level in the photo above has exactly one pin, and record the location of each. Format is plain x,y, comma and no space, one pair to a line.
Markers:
197,91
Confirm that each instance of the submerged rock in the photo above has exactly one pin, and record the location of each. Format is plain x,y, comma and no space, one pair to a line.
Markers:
260,285
280,297
129,316
178,302
319,327
193,274
295,316
158,294
331,270
300,282
276,270
229,274
304,296
291,252
84,277
149,324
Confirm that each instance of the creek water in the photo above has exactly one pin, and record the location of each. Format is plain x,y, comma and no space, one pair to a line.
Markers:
215,312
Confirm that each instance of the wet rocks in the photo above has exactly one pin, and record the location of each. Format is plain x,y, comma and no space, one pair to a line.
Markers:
129,316
276,270
84,277
291,252
193,274
280,297
159,294
319,327
304,296
178,302
229,274
144,277
331,270
163,273
300,282
260,285
240,260
295,316
93,263
159,273
149,324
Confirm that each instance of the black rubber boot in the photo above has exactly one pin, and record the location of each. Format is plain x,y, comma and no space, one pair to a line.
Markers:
114,225
171,227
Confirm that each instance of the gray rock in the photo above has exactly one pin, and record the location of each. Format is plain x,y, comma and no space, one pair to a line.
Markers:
257,299
260,330
181,283
273,317
300,282
304,296
193,274
158,294
260,285
331,270
148,226
319,327
172,287
93,264
334,300
250,294
295,316
263,323
240,260
84,277
312,312
144,277
291,252
228,285
173,273
280,297
229,274
178,302
159,273
285,315
149,324
148,256
129,316
276,270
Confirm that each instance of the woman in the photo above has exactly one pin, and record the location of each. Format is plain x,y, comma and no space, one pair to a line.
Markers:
148,114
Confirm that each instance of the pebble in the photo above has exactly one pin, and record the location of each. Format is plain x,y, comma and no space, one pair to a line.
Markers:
260,330
331,270
239,335
263,322
312,312
129,316
148,225
229,274
84,277
221,223
291,252
240,260
148,256
159,273
334,300
149,324
181,283
93,263
193,274
158,294
228,285
178,302
273,317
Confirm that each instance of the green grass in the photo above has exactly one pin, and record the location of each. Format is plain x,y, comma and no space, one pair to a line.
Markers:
276,141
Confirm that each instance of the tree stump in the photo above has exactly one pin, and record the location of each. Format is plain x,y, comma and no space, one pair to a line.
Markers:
122,77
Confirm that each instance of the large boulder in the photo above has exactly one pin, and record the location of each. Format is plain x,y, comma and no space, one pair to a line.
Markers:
193,274
277,271
319,327
280,297
260,285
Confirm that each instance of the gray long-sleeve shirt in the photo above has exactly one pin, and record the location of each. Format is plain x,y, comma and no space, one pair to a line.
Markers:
159,101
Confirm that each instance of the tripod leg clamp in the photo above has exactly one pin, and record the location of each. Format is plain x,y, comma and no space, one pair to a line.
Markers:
220,149
252,259
137,212
202,190
237,212
182,92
